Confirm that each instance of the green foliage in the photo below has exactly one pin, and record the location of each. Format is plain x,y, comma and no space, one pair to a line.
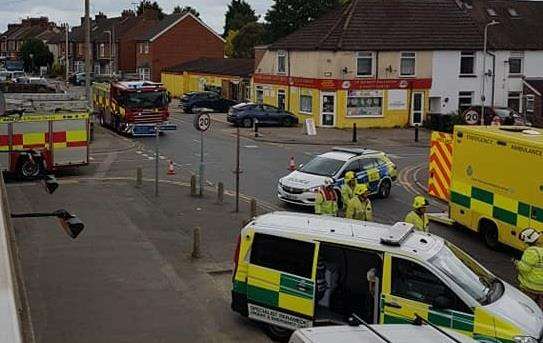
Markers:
239,14
247,38
229,45
148,5
287,16
186,9
58,70
35,55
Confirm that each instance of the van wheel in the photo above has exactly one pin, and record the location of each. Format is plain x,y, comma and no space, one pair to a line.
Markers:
277,333
28,168
489,233
384,189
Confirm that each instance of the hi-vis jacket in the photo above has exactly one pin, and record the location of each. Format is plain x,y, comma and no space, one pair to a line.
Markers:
326,202
359,210
419,223
530,269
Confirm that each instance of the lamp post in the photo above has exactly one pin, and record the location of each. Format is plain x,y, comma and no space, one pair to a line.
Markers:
483,98
69,222
110,49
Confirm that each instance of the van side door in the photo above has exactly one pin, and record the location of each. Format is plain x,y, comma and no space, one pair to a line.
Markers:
281,281
410,288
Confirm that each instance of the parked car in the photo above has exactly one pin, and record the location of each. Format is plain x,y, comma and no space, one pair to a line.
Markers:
246,114
78,79
211,100
371,167
498,115
32,80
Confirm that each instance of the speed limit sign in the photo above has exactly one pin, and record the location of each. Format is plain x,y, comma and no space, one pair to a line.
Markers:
471,117
202,121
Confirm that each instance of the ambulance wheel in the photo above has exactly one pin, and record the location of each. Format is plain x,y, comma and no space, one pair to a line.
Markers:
28,169
384,189
489,233
277,333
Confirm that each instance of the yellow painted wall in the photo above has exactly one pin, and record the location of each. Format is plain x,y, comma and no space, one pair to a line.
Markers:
390,118
179,84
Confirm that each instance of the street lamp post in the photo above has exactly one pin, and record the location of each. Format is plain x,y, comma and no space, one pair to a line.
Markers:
110,50
483,97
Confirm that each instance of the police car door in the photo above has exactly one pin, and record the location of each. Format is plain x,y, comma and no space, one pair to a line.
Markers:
370,174
281,281
409,288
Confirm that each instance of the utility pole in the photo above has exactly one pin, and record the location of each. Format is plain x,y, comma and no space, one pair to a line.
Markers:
237,171
88,68
67,49
483,97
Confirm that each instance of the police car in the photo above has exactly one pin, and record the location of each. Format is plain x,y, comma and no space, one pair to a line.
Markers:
370,166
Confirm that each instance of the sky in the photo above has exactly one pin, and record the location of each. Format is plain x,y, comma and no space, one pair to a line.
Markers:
211,11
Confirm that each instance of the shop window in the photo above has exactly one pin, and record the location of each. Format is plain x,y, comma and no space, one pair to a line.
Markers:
283,254
407,63
513,100
364,64
306,103
259,95
281,62
516,63
467,63
465,101
364,103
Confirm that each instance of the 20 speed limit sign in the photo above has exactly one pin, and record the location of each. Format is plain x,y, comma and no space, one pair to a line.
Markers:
471,117
202,121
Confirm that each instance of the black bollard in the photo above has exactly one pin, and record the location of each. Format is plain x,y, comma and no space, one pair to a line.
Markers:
416,133
355,138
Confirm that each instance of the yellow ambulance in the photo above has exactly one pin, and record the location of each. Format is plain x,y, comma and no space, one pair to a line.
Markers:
296,270
497,182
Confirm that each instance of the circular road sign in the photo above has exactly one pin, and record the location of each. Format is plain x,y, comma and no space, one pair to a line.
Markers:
471,117
202,121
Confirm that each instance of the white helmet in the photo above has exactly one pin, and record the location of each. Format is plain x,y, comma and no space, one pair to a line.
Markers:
529,236
328,182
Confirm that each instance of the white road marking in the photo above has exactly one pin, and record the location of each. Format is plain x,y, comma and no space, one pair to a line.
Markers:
251,146
162,157
139,152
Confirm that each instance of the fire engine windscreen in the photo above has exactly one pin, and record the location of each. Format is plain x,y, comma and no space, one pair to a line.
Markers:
145,100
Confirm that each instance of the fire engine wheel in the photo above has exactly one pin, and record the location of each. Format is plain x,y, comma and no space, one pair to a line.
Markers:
278,333
29,168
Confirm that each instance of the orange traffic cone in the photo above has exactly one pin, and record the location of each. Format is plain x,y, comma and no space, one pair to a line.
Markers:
291,164
171,170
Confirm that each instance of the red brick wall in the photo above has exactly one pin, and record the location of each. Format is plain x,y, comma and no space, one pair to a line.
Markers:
187,41
143,57
127,56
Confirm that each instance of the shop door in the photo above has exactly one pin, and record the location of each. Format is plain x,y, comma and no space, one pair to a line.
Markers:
328,109
281,99
417,108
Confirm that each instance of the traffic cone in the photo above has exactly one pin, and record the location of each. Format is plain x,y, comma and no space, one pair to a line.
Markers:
291,164
171,170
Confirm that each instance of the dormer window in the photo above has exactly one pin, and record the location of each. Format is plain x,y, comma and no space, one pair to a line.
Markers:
491,12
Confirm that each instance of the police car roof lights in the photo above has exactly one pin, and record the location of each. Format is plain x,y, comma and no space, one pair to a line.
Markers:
354,151
397,234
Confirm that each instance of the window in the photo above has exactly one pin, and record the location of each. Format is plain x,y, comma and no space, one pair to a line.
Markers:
465,100
364,103
467,63
102,50
145,74
513,100
491,12
407,63
323,166
283,254
354,166
530,103
364,64
281,62
141,47
281,99
516,62
259,95
146,48
370,163
306,102
414,282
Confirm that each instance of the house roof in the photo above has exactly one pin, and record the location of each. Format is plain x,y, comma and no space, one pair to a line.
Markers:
241,67
536,84
170,21
388,25
521,32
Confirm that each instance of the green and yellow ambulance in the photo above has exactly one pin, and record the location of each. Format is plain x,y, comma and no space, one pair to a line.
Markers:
297,270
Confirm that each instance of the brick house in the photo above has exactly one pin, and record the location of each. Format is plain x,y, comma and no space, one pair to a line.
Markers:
533,100
12,40
176,39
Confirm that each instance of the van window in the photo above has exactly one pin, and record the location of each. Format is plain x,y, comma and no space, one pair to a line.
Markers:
283,254
414,282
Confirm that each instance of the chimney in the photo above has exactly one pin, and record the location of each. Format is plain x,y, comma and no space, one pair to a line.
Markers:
100,17
127,13
150,14
13,26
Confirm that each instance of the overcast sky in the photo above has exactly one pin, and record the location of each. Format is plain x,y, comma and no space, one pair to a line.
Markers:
12,11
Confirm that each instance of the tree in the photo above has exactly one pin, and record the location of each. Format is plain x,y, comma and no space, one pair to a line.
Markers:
239,14
287,16
247,38
35,55
186,9
145,5
229,44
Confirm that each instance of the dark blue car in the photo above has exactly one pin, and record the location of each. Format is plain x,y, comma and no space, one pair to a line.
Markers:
246,114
